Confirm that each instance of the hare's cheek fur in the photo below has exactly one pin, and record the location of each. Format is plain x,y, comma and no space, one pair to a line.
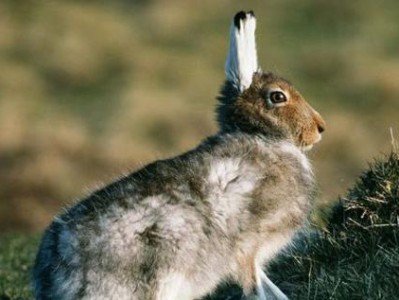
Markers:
303,122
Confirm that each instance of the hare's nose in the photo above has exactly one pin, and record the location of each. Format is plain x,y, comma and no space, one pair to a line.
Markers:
321,127
318,120
320,123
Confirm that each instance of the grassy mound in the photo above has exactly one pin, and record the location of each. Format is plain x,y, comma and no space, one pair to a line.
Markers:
356,256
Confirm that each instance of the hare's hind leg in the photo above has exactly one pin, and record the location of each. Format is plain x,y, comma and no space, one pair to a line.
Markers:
173,286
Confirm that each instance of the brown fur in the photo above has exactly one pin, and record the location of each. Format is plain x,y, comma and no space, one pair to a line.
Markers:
250,112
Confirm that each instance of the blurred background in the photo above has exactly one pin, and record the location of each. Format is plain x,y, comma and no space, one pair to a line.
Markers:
93,89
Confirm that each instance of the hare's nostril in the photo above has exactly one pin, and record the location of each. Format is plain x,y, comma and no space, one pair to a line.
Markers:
321,128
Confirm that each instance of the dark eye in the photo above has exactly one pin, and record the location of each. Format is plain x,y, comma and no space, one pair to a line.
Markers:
277,97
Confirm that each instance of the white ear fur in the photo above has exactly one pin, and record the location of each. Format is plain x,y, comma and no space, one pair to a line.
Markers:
242,59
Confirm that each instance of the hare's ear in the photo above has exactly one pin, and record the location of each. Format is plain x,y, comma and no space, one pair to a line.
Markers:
242,59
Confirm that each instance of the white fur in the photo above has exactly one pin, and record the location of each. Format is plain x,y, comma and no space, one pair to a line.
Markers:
110,288
242,59
231,180
232,176
270,286
259,286
119,227
174,287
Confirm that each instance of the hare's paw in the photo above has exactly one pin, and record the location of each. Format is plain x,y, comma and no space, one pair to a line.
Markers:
242,60
267,289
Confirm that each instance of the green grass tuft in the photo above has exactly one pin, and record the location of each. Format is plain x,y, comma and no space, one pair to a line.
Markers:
17,253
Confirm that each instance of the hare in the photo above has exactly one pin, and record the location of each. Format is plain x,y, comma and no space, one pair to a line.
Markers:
178,227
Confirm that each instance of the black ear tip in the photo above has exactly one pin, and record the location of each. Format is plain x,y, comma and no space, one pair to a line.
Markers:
241,15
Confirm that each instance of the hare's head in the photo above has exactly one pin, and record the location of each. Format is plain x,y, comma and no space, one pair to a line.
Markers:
258,102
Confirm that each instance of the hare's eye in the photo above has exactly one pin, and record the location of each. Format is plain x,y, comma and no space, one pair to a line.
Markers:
277,97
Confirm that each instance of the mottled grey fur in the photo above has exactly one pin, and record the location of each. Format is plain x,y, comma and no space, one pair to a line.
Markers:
211,214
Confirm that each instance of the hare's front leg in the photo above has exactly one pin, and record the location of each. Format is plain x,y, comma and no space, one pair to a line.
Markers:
266,289
257,286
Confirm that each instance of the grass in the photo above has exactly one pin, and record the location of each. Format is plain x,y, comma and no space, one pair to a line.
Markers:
354,256
17,253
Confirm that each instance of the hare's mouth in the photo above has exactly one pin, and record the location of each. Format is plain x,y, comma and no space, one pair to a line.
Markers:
308,147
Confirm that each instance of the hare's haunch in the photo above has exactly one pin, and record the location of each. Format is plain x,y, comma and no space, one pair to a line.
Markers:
178,227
